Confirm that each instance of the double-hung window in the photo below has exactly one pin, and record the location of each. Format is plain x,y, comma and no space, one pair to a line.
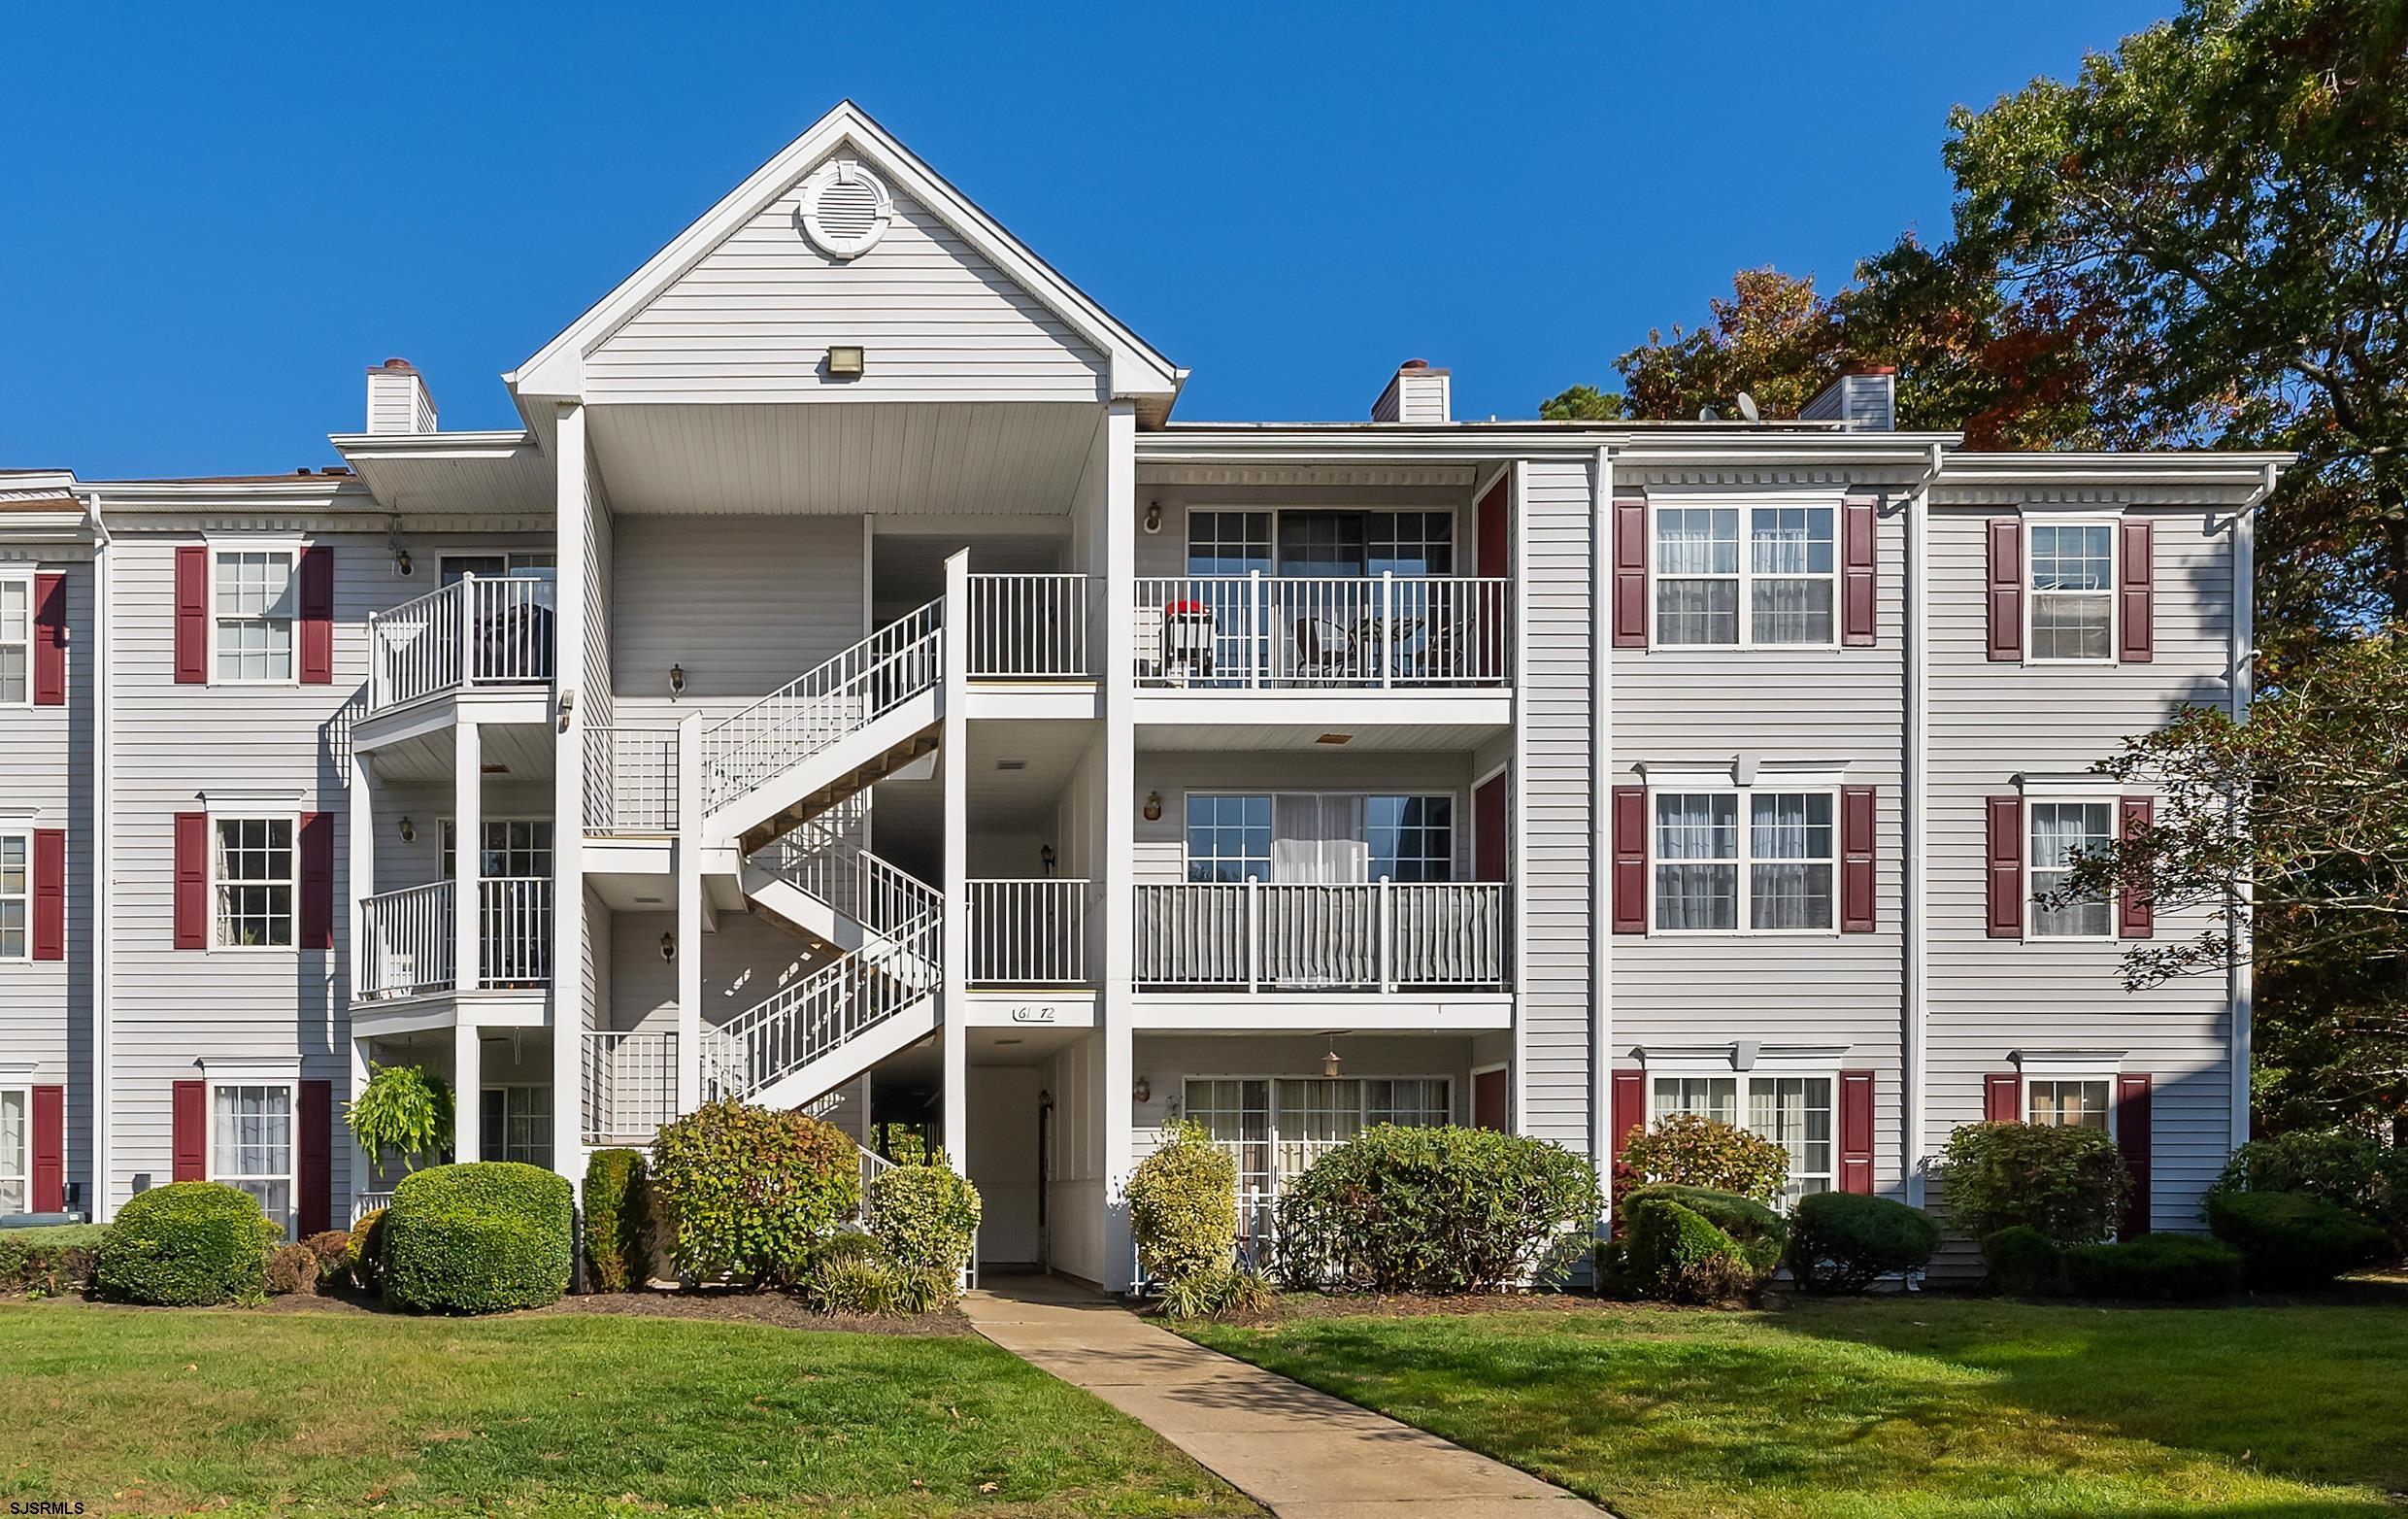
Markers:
1754,861
15,897
16,641
251,1144
1795,1112
255,604
252,869
2072,590
517,1124
1752,577
15,1150
2061,831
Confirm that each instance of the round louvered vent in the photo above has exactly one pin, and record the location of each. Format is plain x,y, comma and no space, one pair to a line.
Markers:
845,208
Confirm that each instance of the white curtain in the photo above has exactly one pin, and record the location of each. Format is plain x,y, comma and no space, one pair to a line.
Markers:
1319,840
1691,827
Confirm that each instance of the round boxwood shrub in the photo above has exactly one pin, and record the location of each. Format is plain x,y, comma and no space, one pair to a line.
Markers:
187,1243
746,1191
1846,1242
2023,1261
2292,1239
2177,1268
1182,1205
1675,1253
483,1238
2068,1182
1758,1230
1688,1150
925,1217
1435,1210
619,1220
2337,1164
363,1254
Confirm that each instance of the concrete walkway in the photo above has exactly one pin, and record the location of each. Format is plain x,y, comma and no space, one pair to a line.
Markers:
1299,1453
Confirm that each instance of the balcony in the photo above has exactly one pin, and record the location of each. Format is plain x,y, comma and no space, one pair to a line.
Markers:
477,633
1029,932
1378,936
1028,627
631,781
409,939
1266,633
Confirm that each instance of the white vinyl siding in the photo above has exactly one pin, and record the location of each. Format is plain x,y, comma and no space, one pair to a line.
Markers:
251,1144
253,606
15,640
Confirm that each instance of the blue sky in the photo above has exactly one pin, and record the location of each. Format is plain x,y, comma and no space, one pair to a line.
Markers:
217,216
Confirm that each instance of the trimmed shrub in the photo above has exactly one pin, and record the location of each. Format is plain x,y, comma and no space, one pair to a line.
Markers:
619,1220
1758,1230
925,1216
1675,1253
291,1270
333,1249
1846,1242
483,1238
1686,1150
746,1191
2343,1167
184,1244
2292,1239
50,1261
2068,1182
2023,1261
1182,1205
1221,1292
1435,1210
2176,1268
363,1257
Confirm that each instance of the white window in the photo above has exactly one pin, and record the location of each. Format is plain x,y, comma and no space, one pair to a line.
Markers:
2070,1102
535,564
2061,830
251,1145
1276,1127
1714,1098
517,1124
15,1150
1781,591
16,895
16,641
252,871
1786,856
1321,838
255,595
2072,590
1795,1112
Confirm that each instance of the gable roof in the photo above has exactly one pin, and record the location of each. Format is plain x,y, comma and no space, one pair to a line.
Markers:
1138,371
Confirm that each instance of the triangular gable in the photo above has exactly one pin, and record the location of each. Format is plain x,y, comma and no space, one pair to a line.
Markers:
1134,369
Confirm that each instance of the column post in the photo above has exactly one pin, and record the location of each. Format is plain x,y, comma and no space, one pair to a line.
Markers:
953,953
467,1094
690,912
1117,829
468,859
571,706
358,884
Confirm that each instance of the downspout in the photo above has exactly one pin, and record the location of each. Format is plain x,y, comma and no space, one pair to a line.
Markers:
103,935
1601,812
2240,976
1912,1055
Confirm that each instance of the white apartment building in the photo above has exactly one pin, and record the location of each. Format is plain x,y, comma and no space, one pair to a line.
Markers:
851,688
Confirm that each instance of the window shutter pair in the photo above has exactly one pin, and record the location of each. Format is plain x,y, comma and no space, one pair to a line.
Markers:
50,894
2136,641
1857,816
313,626
312,925
1859,600
2002,1102
49,640
313,1120
2003,864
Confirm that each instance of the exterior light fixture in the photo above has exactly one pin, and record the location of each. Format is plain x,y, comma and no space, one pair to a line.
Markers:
1153,806
408,831
846,363
1145,1090
677,679
1046,854
1154,517
668,951
1329,1063
401,563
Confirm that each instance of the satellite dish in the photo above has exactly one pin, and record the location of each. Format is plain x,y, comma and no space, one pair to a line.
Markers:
1708,414
1747,406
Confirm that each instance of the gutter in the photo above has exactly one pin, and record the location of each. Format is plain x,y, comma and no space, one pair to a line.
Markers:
1914,1038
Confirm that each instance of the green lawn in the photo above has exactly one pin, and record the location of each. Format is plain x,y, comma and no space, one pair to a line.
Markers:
129,1409
1888,1406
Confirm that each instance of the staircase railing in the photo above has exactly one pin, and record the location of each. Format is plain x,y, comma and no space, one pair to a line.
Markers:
796,1025
816,709
824,862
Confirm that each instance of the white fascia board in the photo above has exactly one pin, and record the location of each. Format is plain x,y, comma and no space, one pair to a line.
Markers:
2160,467
500,444
1358,443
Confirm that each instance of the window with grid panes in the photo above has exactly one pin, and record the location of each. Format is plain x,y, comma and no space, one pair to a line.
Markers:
16,895
16,641
2072,590
1228,837
517,1124
254,869
2054,1102
251,1145
2061,831
256,597
1412,838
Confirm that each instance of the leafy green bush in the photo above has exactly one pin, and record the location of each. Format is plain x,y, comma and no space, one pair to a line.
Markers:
1758,1230
333,1249
291,1270
619,1220
1675,1253
481,1238
1846,1242
51,1260
363,1256
404,1109
1182,1205
853,1273
1434,1210
927,1217
2068,1182
1220,1291
187,1243
2023,1261
747,1190
2177,1268
1688,1150
2343,1167
2292,1239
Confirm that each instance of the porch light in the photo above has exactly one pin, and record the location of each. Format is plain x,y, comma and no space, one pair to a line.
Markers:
668,947
846,363
408,831
1153,806
401,563
1329,1063
1145,1090
1046,854
1154,517
677,679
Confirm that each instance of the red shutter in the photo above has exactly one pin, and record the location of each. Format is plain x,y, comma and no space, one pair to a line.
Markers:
1629,1109
1856,1130
2136,915
2136,576
1630,860
2004,856
1631,573
1859,603
314,1114
316,633
2006,588
191,879
190,1131
316,910
50,894
2133,1093
1856,863
2002,1097
49,640
192,616
50,1149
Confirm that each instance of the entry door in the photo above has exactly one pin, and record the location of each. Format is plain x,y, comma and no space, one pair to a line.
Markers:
1490,1107
1489,852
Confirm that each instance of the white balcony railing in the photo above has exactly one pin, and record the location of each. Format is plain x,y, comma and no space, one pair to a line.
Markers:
477,631
1028,627
409,938
630,1086
515,931
1240,631
1029,932
1376,935
631,780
